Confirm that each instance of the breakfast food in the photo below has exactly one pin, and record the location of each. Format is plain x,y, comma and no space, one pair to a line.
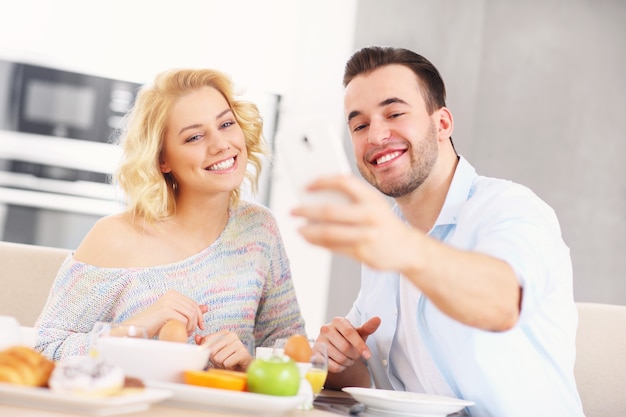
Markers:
132,384
217,378
24,366
276,375
86,375
298,348
173,331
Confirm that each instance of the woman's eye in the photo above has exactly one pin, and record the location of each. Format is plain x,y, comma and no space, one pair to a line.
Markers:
194,138
227,124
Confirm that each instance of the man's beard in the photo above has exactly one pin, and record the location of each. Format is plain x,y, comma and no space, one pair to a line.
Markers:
423,156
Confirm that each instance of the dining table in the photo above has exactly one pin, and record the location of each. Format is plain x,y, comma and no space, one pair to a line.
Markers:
328,403
157,410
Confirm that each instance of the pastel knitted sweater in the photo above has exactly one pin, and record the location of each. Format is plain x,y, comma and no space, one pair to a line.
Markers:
243,277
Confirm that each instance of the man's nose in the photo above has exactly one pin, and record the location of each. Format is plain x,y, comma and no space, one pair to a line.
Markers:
378,132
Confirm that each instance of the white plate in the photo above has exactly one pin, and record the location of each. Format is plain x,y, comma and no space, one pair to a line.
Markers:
43,398
403,403
205,398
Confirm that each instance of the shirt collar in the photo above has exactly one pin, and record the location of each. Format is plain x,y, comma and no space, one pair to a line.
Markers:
458,193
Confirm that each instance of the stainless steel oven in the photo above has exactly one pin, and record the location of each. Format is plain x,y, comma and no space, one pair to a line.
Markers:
54,102
55,152
52,189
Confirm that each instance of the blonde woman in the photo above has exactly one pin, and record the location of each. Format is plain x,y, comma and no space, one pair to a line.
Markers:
187,248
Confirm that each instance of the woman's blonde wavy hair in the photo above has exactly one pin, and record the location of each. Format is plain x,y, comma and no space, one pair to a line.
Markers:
150,193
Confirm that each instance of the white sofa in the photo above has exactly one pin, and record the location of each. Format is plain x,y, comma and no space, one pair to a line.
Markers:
601,359
27,273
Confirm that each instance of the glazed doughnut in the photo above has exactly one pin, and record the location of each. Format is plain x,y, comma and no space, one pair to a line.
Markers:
87,376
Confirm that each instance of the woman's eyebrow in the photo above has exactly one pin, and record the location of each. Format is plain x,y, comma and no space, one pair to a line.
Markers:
197,125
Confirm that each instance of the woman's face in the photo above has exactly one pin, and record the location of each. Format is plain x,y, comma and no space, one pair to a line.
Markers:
204,148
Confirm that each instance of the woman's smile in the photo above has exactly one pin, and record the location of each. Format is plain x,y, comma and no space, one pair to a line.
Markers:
222,165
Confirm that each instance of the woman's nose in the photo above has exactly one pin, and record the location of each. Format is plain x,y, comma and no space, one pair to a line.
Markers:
218,143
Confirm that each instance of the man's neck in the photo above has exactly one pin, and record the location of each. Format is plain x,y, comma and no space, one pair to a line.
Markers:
422,207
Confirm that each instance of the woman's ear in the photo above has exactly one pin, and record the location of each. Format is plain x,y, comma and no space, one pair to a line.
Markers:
164,166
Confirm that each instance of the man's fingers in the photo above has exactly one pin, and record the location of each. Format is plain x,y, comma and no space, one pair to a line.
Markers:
347,344
369,327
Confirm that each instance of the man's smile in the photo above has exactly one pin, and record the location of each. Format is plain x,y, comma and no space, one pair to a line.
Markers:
387,157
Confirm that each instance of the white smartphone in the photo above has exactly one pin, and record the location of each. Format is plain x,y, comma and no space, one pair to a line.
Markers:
312,150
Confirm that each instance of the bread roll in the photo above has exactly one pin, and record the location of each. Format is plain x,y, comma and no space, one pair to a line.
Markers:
22,365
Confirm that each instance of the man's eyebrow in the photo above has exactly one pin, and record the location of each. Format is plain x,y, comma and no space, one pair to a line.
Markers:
391,101
383,103
353,114
195,126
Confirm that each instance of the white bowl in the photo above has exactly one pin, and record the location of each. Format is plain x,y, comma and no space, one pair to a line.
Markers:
10,333
153,360
267,352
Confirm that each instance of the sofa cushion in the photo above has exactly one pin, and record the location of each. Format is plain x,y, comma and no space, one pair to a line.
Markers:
27,273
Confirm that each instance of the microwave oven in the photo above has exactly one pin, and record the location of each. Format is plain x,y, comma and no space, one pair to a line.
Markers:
54,102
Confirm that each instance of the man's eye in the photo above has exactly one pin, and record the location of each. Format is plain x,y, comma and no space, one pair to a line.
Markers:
394,115
359,127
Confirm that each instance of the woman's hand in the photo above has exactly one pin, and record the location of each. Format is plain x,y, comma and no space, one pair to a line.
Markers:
227,350
171,306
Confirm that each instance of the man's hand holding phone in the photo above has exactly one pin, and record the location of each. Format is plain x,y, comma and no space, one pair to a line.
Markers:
311,151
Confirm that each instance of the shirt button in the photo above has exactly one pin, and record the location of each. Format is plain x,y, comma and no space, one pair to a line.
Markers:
385,362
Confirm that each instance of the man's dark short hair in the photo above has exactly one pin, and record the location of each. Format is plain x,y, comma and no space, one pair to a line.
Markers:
368,59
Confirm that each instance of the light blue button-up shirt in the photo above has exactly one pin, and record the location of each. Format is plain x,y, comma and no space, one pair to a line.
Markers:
525,371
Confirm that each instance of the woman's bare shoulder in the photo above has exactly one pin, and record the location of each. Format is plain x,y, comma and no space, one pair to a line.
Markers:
109,242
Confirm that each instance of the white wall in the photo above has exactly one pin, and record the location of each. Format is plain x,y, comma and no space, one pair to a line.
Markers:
135,39
292,48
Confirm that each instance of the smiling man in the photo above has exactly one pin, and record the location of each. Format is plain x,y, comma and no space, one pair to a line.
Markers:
466,287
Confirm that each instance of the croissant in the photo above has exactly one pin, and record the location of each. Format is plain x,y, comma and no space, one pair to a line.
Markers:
22,365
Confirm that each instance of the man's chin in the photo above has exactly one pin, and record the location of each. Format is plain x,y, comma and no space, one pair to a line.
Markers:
395,189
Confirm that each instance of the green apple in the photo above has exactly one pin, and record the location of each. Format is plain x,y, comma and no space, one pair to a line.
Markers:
276,375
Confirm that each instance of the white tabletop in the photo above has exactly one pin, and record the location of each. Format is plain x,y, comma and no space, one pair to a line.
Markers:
154,411
158,410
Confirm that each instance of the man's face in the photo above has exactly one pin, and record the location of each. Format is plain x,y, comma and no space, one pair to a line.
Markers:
394,138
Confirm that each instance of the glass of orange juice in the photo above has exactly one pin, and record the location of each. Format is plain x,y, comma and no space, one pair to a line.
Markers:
311,357
316,374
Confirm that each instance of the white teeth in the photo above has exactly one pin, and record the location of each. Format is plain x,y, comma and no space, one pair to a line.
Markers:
222,165
387,157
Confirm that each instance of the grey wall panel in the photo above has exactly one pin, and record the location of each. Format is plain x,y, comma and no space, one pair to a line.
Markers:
538,93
